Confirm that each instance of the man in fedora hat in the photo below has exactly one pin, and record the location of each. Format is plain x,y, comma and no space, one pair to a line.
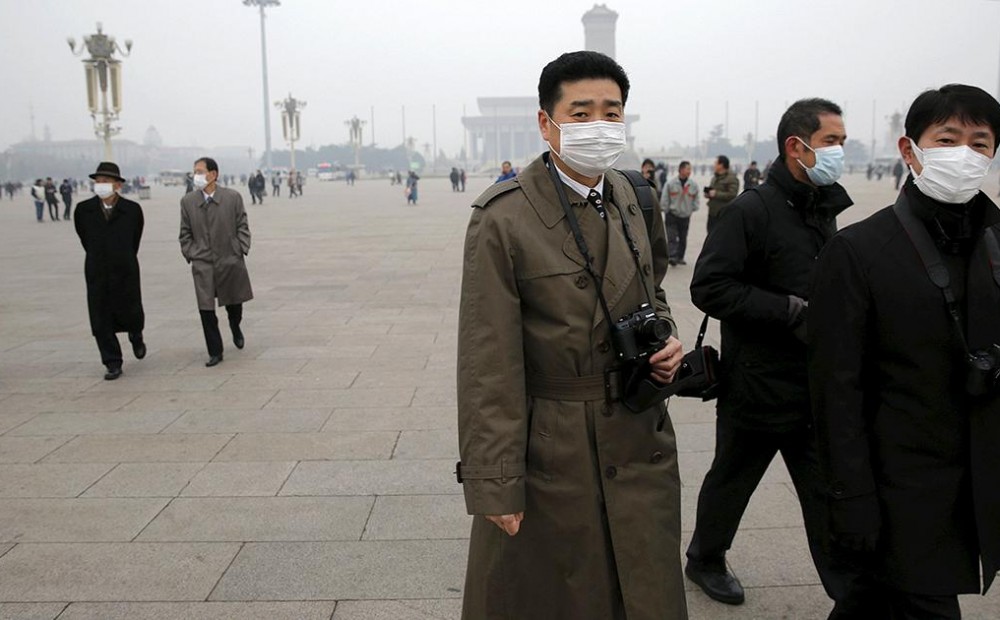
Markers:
110,229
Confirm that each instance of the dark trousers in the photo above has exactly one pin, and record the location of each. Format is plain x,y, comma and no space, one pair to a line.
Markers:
677,236
210,325
890,604
68,202
53,209
742,456
275,190
111,349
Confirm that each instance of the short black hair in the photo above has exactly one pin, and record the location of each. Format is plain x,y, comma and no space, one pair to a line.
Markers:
683,163
969,104
802,120
507,163
648,161
722,159
210,163
573,67
753,163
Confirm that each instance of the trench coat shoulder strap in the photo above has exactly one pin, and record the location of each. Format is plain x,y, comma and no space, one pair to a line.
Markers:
494,191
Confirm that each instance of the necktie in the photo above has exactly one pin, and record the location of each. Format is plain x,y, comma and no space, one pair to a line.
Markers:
598,203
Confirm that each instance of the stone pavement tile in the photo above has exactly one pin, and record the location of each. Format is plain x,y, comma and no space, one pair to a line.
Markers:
773,603
320,366
250,421
239,479
173,383
306,352
31,611
344,570
48,480
691,411
4,548
10,420
772,505
388,353
172,401
51,385
695,437
396,477
75,520
340,445
149,367
436,444
97,423
326,381
438,609
145,480
400,418
418,517
772,557
113,571
402,341
436,397
301,399
241,519
199,611
14,370
394,378
976,607
66,403
28,449
694,466
177,448
243,366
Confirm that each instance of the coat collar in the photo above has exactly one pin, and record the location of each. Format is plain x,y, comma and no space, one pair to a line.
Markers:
827,201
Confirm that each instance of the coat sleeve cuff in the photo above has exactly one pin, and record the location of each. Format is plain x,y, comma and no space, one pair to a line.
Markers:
494,496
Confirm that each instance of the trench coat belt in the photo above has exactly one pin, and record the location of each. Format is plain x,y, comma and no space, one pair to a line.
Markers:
605,386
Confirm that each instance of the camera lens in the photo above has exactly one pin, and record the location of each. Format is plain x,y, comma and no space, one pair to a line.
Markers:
654,330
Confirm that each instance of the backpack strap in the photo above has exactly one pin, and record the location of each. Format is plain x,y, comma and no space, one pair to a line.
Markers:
644,193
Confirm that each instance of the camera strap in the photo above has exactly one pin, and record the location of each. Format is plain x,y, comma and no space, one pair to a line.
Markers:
931,258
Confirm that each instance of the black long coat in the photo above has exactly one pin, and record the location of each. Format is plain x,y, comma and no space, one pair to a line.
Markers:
906,452
114,295
762,250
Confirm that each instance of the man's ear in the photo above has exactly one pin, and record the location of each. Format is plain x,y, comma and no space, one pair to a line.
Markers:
906,152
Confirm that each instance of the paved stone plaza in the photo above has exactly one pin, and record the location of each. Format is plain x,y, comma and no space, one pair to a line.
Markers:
309,475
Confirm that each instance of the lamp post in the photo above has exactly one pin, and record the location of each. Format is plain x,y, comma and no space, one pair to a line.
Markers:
103,72
263,4
356,125
290,124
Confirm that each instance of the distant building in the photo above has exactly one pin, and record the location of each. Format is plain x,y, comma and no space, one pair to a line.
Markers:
507,127
599,30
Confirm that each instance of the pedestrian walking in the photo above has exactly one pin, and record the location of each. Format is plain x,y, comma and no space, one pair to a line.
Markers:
215,238
38,195
110,229
679,201
411,188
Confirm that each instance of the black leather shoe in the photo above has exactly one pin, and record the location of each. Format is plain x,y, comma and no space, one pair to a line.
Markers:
213,361
238,339
139,348
719,585
113,373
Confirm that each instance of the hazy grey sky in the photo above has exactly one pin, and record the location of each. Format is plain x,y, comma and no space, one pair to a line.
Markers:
195,69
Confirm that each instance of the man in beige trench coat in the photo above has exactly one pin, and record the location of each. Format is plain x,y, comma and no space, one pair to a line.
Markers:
214,238
576,499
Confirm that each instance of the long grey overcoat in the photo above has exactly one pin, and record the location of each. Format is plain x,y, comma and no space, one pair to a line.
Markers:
214,238
599,485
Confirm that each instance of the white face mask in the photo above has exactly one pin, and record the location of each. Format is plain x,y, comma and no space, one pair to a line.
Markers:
951,174
200,181
590,148
829,164
104,190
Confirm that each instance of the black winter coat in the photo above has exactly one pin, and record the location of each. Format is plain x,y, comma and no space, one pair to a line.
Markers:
114,296
908,456
761,251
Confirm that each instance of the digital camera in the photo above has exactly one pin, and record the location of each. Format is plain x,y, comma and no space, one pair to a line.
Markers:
638,335
983,372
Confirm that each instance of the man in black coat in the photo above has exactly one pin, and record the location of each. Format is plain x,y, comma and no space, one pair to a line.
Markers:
754,274
910,448
66,190
110,229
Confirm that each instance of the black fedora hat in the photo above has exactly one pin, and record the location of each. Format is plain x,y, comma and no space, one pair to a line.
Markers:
108,169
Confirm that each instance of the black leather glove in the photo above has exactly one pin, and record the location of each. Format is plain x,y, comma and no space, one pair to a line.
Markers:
798,308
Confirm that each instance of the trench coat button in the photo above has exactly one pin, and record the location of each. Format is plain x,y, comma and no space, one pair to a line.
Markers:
606,410
611,472
838,489
603,346
646,269
656,457
581,282
632,209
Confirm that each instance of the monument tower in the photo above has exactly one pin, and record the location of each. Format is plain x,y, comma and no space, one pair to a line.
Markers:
599,30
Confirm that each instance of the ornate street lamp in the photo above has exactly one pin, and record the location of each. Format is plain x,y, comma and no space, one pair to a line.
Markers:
356,125
103,71
290,124
263,4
